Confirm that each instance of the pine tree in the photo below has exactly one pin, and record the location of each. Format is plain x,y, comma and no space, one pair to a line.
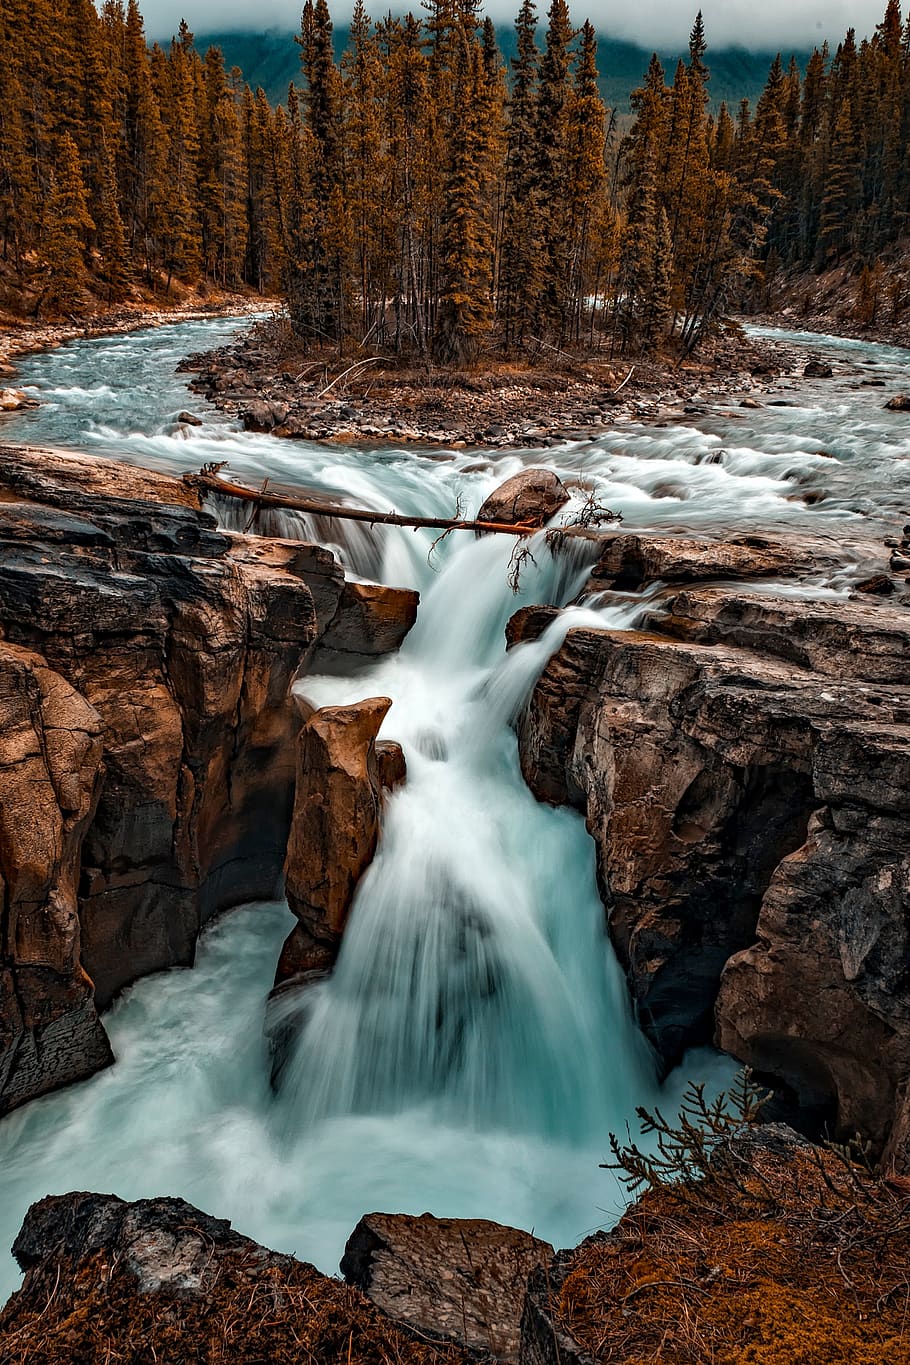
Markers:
520,253
465,246
67,224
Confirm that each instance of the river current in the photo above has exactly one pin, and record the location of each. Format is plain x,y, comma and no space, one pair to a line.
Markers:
481,908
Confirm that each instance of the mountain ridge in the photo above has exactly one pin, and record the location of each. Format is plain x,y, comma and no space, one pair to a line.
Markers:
270,59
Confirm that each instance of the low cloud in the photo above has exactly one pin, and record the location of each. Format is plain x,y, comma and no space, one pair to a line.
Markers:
664,24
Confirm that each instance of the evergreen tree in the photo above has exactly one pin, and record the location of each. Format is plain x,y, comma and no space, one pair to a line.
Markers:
67,221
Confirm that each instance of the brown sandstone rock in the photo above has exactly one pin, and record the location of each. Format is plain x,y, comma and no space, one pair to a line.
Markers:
50,778
334,829
899,403
745,776
460,1279
530,498
369,620
629,562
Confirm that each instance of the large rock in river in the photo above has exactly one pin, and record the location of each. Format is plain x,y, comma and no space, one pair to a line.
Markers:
530,499
335,826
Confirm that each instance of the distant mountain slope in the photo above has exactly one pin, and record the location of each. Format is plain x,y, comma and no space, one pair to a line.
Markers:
271,60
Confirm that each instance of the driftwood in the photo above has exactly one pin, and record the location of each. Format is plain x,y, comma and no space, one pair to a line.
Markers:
207,481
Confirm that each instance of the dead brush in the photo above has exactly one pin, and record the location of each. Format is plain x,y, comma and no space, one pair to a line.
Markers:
746,1246
284,1314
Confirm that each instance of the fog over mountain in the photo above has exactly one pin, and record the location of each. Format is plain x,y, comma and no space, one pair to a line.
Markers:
662,23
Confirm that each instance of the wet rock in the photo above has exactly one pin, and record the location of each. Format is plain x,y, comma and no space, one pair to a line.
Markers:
370,619
50,781
744,768
749,403
11,400
629,562
258,416
459,1279
880,584
530,498
899,403
818,369
160,1280
189,419
528,623
334,828
391,766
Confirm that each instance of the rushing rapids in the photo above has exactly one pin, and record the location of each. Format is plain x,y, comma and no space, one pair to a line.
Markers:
475,1045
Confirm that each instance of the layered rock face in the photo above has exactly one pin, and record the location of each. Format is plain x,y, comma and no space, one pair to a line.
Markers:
159,1280
172,771
744,767
50,781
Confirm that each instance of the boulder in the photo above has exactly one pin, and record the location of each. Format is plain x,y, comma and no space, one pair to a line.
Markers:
530,499
818,369
744,768
11,400
189,419
160,1280
334,828
370,619
899,403
458,1279
258,416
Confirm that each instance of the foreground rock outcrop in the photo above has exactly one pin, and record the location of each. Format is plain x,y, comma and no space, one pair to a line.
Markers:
160,1281
744,767
460,1279
779,1254
148,745
334,827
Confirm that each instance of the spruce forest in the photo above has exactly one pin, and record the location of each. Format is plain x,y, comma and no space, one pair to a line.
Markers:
420,198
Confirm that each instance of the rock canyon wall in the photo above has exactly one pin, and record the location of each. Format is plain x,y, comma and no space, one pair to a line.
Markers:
147,747
743,763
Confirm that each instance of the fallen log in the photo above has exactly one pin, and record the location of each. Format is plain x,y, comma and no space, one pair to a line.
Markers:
208,482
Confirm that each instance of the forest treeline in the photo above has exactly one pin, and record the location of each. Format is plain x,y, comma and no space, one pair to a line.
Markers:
420,197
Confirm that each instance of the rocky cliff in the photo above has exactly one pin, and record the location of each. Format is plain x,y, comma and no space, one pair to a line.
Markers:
148,738
743,763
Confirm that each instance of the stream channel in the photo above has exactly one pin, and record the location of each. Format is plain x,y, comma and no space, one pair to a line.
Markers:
481,908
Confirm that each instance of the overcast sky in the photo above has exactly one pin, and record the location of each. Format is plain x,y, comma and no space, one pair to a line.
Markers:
763,24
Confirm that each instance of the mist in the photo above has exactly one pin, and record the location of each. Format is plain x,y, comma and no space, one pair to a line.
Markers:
663,24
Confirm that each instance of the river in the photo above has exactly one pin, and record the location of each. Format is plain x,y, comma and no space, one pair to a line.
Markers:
481,909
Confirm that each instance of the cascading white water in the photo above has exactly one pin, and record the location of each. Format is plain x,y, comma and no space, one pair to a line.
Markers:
475,1045
475,974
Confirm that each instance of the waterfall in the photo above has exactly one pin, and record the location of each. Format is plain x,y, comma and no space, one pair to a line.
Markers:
475,975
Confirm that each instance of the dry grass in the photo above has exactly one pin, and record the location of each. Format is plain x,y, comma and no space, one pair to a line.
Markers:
283,1313
803,1260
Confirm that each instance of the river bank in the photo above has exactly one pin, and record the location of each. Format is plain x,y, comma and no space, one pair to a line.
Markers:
267,383
20,338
